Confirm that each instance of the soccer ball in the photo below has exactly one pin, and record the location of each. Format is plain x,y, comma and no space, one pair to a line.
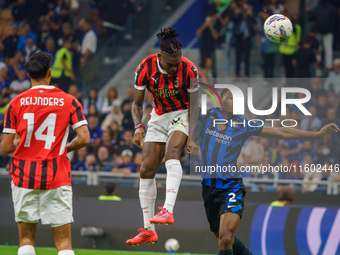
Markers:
278,28
171,245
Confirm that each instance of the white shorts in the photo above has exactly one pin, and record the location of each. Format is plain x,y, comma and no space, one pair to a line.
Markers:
161,126
52,206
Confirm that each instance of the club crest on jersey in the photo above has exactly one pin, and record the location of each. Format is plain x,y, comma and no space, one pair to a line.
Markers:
41,91
221,127
176,84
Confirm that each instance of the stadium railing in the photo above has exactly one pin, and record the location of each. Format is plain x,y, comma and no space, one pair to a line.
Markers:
98,178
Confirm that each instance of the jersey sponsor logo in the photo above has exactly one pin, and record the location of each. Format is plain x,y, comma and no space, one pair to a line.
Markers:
220,138
166,92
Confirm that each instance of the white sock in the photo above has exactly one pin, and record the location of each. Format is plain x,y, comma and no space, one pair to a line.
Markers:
66,252
147,198
26,250
173,180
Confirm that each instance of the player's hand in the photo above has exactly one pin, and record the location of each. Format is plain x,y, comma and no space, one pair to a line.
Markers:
139,137
328,130
192,147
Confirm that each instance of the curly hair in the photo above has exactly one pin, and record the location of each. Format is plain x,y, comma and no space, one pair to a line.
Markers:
169,43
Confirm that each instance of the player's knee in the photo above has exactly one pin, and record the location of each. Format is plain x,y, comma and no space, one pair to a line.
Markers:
146,172
226,239
173,153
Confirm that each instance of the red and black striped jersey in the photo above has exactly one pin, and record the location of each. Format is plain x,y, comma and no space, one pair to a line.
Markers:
41,117
169,91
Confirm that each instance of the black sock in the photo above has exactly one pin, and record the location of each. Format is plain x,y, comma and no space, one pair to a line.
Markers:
240,249
228,252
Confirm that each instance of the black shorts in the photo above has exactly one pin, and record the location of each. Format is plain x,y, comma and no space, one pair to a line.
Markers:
219,201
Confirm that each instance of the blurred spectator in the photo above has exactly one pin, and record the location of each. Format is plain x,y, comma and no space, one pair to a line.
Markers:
92,98
44,34
268,49
310,175
307,149
15,64
127,102
333,78
275,7
289,48
114,131
322,106
4,81
244,30
89,42
126,109
316,88
74,91
293,148
209,38
91,163
30,49
135,7
19,11
95,133
3,106
104,161
62,71
66,33
311,122
128,166
50,47
253,152
269,151
286,197
206,66
325,16
303,60
9,44
27,33
108,143
78,162
82,9
126,142
333,177
110,100
115,115
20,85
110,193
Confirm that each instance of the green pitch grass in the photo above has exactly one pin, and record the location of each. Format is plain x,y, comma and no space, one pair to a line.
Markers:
12,250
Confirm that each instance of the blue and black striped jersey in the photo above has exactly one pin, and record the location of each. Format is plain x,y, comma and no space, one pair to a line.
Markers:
221,146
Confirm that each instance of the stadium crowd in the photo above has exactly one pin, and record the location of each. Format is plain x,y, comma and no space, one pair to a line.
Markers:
70,31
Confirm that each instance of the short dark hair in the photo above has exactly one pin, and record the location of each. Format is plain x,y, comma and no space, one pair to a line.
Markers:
38,65
286,195
110,188
169,43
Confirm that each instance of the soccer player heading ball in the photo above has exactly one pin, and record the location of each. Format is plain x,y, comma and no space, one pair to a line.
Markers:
40,170
167,76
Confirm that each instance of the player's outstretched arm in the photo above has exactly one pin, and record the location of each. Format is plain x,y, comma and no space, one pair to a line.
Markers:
82,139
137,114
297,134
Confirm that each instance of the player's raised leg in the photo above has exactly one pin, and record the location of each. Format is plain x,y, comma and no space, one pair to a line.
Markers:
63,239
27,234
152,155
174,147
